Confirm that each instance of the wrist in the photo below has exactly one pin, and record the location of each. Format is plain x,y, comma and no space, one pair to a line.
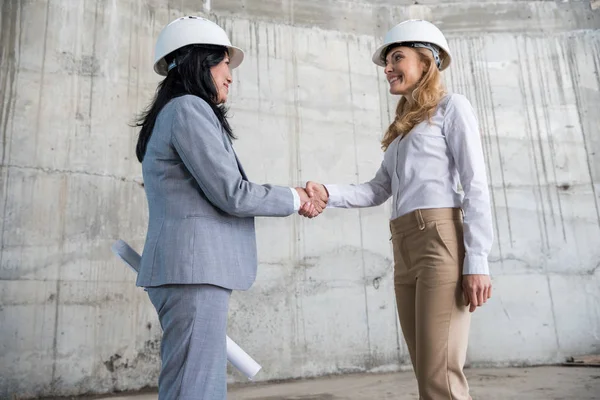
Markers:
326,191
302,194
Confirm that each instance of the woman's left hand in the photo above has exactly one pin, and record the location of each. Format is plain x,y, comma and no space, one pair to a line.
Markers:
477,289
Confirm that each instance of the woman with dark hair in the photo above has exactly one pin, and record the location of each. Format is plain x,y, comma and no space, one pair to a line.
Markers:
201,241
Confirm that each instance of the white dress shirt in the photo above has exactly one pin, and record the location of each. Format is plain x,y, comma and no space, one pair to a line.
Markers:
423,170
296,199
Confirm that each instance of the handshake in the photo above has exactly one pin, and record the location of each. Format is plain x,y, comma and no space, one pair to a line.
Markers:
313,199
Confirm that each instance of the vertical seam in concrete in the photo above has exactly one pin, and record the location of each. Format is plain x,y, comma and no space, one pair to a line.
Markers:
137,24
8,82
542,78
362,247
258,71
41,91
129,50
500,159
95,37
55,338
37,127
544,107
75,80
596,59
137,72
528,129
62,201
449,73
297,228
90,110
552,309
540,146
481,102
8,113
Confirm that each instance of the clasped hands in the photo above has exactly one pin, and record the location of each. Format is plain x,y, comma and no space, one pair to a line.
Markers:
313,199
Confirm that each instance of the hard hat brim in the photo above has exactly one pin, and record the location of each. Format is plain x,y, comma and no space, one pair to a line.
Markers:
236,56
447,59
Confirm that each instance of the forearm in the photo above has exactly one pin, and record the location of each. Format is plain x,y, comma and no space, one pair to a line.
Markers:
356,196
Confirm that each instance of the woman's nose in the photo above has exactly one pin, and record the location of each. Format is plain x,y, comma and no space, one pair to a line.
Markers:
388,68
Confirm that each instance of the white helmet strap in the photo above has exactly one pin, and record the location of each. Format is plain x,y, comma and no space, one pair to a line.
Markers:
424,45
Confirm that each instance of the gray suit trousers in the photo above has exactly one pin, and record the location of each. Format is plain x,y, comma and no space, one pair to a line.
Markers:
193,348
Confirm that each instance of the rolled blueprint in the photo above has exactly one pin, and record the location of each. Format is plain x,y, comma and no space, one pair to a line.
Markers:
236,356
241,360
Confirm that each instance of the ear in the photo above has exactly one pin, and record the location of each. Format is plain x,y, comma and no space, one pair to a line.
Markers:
425,67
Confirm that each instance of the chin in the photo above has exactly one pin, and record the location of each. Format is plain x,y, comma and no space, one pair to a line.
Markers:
395,90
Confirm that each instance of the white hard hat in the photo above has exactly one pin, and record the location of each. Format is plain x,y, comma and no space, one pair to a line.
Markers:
192,30
411,31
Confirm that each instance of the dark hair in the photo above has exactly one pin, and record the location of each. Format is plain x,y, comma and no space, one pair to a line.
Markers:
190,76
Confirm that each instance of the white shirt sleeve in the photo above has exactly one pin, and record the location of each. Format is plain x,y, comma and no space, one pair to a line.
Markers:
296,199
369,194
464,141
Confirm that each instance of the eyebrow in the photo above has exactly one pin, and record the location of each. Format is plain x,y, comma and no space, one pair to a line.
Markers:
394,52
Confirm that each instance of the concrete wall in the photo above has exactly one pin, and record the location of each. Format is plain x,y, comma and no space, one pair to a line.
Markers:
307,104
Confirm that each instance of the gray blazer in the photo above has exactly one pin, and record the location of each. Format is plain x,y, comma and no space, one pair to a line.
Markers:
201,205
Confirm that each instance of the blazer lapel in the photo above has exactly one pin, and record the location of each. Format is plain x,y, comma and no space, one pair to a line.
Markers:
240,166
237,160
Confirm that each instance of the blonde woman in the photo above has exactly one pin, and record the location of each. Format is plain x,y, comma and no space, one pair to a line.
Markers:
441,237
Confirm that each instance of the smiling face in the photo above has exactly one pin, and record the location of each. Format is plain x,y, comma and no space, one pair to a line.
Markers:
404,68
221,75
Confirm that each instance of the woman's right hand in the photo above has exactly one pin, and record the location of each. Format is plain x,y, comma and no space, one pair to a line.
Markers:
317,190
309,207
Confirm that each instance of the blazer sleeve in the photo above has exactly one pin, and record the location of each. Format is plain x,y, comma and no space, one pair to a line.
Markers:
198,139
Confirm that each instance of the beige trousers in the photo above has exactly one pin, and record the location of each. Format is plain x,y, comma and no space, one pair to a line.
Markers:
428,259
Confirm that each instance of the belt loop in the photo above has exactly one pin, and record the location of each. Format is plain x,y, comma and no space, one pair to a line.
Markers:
420,220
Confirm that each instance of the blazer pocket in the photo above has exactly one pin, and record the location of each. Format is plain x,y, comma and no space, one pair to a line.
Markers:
214,245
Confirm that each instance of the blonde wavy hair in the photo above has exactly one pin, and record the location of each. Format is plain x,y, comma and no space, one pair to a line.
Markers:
427,95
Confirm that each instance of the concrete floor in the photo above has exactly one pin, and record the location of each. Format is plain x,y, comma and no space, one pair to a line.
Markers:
540,383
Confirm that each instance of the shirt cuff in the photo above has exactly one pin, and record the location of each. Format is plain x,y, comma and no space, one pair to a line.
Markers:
476,265
334,196
296,199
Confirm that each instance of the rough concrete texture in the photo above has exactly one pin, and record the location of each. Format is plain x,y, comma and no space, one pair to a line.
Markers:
307,104
490,384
